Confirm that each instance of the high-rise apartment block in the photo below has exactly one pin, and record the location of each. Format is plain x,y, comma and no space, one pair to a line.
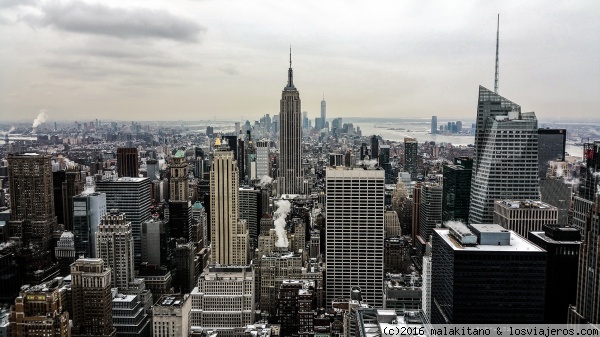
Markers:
473,267
457,190
506,155
229,235
524,216
291,177
355,233
132,197
127,162
92,298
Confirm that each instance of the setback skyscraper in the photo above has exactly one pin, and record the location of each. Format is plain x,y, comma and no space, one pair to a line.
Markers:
505,165
290,139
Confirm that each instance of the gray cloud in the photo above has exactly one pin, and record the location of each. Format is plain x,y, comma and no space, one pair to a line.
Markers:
16,3
124,23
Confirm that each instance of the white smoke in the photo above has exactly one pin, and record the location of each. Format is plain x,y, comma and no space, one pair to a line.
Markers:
89,189
40,119
559,171
283,209
370,163
265,181
7,244
457,226
12,128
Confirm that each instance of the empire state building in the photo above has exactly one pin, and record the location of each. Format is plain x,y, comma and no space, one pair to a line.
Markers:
291,178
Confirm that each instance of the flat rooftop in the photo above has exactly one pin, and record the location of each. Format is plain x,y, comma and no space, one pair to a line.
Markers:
525,204
517,243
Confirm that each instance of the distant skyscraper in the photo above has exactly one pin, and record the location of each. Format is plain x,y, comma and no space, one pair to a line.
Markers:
374,148
551,147
411,147
323,110
132,197
72,186
590,172
114,245
355,233
127,162
290,139
487,264
92,298
505,165
433,125
228,235
457,190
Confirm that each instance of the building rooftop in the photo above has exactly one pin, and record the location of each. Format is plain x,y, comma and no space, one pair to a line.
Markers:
516,244
171,300
529,204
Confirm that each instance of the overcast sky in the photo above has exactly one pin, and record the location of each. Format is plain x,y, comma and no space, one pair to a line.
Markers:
228,59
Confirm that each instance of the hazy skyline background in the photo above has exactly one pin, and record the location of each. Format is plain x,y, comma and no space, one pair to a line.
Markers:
206,59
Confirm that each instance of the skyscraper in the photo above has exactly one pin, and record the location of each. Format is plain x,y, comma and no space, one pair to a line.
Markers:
127,162
433,125
88,210
551,146
323,110
114,245
483,264
229,236
290,139
374,148
72,186
92,298
411,156
457,190
355,233
505,165
430,210
32,216
263,159
178,182
132,197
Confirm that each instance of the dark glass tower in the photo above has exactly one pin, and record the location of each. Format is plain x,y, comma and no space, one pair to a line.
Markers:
457,190
551,146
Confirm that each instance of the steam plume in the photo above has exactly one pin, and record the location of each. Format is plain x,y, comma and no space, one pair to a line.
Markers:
12,128
265,180
40,119
283,209
7,244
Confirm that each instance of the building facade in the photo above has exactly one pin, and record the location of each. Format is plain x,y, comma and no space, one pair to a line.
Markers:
456,196
524,216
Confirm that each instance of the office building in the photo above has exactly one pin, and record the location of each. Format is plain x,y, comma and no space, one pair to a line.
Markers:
178,179
457,190
562,244
403,292
586,309
375,148
224,299
129,315
72,186
296,304
114,245
127,162
65,253
88,210
32,218
41,311
156,242
132,197
482,264
590,171
430,210
229,235
505,165
271,269
185,263
92,298
171,315
290,176
411,158
263,159
556,192
433,125
524,216
391,224
180,219
249,202
551,147
355,233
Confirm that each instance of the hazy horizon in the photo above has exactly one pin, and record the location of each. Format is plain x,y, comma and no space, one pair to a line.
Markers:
196,60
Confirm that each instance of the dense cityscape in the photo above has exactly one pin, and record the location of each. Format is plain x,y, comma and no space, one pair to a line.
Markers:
298,224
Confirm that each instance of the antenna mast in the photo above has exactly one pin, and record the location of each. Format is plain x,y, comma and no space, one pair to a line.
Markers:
497,43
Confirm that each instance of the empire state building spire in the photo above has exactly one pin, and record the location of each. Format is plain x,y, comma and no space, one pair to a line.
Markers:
290,83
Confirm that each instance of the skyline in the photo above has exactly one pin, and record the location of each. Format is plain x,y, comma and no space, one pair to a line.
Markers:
200,59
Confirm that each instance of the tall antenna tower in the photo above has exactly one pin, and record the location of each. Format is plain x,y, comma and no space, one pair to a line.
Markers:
497,43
